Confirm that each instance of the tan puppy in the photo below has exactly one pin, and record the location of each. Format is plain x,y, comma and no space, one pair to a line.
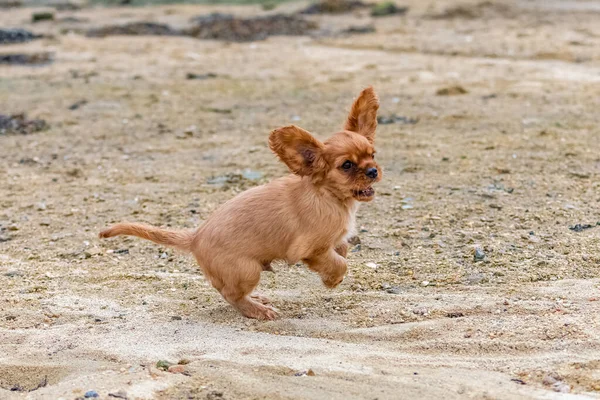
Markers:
305,217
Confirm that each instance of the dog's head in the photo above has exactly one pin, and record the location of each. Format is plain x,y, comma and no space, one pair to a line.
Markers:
345,163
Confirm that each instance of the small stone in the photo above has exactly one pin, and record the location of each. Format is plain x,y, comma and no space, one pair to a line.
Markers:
43,16
387,8
91,394
451,91
121,394
176,318
41,206
310,372
425,283
354,240
394,290
176,369
184,361
13,273
478,254
371,265
163,365
549,380
475,278
561,387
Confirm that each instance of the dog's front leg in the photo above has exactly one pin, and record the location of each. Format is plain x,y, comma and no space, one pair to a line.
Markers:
330,265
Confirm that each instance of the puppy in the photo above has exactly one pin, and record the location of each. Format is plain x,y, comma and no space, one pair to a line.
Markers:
306,216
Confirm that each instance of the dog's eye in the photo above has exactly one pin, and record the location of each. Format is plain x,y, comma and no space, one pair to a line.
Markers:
347,165
373,156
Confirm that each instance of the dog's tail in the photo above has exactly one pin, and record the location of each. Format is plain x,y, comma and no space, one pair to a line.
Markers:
181,240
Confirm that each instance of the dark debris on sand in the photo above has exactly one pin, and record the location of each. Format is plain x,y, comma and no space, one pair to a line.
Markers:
19,124
228,27
484,9
26,58
217,26
134,29
10,36
334,7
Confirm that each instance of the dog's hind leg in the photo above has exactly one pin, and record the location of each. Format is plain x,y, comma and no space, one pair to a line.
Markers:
238,282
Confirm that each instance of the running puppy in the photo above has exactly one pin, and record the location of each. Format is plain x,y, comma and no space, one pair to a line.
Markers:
306,216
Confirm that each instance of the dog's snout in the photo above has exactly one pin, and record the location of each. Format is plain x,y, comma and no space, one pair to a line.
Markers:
371,173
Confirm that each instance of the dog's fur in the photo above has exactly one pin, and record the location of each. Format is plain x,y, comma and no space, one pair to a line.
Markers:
305,217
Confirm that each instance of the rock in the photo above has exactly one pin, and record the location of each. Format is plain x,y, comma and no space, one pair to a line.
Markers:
163,365
10,3
230,28
581,227
78,104
420,311
425,283
19,124
10,36
334,7
371,265
134,29
201,77
354,240
451,91
394,290
549,380
13,273
359,29
561,387
387,8
91,394
393,119
310,372
176,369
42,16
455,315
478,254
476,278
121,394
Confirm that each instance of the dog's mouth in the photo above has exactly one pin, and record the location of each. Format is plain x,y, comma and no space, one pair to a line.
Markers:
365,194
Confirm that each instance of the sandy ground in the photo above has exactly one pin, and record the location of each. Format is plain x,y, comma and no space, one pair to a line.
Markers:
507,167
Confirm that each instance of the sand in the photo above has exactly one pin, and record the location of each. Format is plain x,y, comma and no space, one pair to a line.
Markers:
506,167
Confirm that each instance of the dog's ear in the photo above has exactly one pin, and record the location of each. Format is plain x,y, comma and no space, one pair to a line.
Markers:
298,149
363,115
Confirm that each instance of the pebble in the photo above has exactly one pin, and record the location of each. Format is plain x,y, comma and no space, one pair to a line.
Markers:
475,278
121,394
90,394
163,365
9,36
549,380
394,290
425,283
371,265
176,369
478,254
561,387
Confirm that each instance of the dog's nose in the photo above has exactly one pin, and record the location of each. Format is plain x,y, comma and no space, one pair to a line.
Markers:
371,173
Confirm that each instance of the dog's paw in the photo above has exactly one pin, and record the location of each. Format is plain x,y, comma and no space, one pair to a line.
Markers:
332,281
261,299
